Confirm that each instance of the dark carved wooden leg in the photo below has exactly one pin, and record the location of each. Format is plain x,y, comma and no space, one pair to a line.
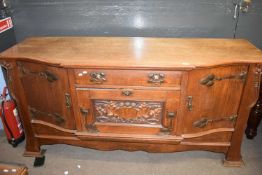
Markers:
254,118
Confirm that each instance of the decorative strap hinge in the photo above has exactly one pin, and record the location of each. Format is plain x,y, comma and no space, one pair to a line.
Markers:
58,118
203,122
210,79
46,74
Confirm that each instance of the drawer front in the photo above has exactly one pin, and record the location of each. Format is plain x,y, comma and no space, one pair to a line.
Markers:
128,77
127,111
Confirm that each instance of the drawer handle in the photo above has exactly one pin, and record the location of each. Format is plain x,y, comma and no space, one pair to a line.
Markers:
204,121
98,77
156,78
171,115
84,112
67,100
210,79
167,130
127,92
190,103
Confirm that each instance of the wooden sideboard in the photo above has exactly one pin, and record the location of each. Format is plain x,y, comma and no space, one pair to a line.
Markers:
150,94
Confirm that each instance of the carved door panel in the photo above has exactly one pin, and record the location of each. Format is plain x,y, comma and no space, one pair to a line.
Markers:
212,98
46,89
128,110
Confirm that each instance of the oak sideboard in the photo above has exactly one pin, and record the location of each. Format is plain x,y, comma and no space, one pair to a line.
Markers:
149,94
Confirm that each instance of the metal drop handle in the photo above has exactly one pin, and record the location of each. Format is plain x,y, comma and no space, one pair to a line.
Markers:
84,112
190,103
156,78
97,77
167,130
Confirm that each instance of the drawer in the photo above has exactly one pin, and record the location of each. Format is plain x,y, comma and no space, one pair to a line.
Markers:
128,77
130,94
135,111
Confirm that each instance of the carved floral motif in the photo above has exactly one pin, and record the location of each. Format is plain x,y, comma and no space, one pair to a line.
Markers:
129,112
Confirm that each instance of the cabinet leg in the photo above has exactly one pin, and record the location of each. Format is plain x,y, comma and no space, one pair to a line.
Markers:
32,148
233,157
39,157
229,163
249,99
39,153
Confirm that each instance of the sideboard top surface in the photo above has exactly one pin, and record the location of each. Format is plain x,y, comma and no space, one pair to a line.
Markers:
136,52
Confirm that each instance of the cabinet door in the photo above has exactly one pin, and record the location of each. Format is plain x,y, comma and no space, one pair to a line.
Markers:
125,111
212,98
46,89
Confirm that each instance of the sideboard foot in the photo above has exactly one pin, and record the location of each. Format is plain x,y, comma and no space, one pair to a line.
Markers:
40,153
228,163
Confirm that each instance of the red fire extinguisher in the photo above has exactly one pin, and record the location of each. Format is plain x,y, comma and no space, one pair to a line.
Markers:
10,119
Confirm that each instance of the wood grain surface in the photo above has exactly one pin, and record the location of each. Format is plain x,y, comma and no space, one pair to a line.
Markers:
134,52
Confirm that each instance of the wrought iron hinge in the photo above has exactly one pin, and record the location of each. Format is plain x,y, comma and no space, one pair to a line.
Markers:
58,118
203,122
48,75
210,79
